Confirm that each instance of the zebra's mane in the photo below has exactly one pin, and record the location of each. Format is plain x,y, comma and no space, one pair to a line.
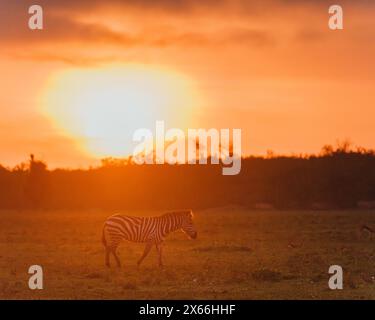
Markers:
179,213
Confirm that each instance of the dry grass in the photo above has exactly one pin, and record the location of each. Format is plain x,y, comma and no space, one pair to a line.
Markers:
240,254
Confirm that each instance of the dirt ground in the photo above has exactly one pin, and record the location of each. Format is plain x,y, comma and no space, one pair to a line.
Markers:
239,254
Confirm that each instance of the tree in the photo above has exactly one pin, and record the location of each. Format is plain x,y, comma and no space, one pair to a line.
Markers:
36,183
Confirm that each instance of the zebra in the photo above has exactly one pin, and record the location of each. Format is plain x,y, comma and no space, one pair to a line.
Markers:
151,230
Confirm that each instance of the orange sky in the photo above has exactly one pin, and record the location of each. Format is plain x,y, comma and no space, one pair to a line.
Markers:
271,68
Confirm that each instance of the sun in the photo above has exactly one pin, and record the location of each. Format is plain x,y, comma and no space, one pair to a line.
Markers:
101,108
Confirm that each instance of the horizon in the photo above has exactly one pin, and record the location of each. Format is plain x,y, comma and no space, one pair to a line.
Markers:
327,150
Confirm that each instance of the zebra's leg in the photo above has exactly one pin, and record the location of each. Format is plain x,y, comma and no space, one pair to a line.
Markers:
145,252
159,247
116,258
107,248
107,252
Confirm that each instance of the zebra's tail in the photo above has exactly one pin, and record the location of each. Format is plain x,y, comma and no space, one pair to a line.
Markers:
104,241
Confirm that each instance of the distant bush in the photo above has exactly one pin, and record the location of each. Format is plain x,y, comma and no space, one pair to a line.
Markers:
338,177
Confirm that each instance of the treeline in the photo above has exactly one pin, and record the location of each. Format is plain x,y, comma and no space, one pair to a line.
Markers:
337,178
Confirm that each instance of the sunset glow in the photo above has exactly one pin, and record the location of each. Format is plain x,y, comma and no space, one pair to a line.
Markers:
101,108
74,92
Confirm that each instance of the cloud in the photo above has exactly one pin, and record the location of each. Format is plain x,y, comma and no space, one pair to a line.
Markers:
241,37
84,32
71,59
62,30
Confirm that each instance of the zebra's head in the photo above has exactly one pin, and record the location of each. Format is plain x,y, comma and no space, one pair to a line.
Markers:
187,224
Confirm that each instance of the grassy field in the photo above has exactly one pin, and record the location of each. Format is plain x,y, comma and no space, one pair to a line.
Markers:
239,254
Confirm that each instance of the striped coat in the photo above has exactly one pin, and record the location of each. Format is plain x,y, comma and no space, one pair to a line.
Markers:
151,230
